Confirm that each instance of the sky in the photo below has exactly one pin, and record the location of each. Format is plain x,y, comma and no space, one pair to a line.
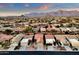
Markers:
16,9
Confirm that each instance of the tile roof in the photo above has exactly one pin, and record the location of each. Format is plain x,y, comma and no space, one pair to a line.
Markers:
39,37
60,37
49,36
4,37
71,36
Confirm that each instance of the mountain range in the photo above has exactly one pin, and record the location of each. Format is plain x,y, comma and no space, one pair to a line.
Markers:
55,13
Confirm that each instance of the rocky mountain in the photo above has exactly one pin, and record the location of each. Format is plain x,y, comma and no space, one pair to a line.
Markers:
55,13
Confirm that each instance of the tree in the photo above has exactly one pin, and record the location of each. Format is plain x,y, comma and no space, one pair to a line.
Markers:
28,29
8,31
61,25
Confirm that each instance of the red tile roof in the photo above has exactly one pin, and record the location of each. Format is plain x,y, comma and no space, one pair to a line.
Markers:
39,37
60,37
49,36
4,37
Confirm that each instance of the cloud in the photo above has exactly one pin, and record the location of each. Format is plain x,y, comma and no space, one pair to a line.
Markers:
45,7
27,12
26,5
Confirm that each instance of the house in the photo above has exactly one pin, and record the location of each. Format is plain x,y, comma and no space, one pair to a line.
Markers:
36,29
39,37
15,42
17,38
4,37
73,40
77,37
62,43
64,29
49,39
74,29
6,40
12,47
61,38
49,28
43,29
25,41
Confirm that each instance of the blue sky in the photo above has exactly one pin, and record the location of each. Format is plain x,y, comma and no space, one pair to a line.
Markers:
9,9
